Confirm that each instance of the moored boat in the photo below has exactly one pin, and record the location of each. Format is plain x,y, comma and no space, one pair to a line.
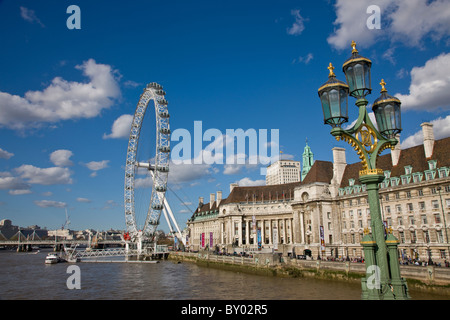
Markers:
53,258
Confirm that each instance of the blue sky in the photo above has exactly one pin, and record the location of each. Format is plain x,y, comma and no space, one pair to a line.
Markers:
66,95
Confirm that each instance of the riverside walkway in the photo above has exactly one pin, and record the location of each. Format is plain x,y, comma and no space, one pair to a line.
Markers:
425,278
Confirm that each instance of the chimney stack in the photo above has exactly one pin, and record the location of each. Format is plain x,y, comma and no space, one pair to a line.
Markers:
339,164
200,202
428,138
212,197
232,185
219,198
395,154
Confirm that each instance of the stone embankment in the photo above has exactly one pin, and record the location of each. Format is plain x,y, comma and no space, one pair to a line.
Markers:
424,278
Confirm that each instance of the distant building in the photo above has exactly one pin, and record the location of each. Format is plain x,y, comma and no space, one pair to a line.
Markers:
283,171
65,234
9,231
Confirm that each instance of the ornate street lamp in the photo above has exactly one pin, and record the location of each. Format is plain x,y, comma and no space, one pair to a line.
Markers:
368,142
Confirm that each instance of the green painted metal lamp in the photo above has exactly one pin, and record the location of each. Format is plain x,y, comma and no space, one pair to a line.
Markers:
368,142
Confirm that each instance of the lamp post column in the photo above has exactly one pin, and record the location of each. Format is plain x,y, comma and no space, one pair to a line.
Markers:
399,287
371,181
370,285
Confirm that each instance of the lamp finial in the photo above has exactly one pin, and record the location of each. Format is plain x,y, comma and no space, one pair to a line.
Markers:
383,84
354,47
331,68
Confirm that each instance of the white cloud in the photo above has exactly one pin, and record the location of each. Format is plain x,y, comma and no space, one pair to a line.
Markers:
236,163
441,129
306,59
110,204
247,182
5,154
352,23
131,84
50,204
46,176
389,55
188,172
19,192
179,173
61,100
120,128
61,157
97,165
145,182
429,89
9,182
371,117
30,16
402,73
85,200
232,169
298,26
414,19
405,21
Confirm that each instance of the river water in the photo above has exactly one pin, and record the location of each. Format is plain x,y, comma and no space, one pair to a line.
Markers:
24,276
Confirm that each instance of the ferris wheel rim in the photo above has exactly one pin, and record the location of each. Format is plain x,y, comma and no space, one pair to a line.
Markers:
152,92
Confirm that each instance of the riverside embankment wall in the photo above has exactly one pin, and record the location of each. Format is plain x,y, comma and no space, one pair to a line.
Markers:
424,278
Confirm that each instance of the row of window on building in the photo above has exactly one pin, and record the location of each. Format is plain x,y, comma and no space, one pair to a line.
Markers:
406,179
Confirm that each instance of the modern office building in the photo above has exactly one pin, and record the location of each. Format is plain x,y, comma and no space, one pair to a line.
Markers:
283,171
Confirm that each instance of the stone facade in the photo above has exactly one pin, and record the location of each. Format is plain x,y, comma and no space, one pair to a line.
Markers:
326,213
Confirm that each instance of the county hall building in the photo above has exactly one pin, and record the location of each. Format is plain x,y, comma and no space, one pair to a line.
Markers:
326,213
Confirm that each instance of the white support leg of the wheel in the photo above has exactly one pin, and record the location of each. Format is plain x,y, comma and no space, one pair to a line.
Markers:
167,208
139,243
166,205
167,219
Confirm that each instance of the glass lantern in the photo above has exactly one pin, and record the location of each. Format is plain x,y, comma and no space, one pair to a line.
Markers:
334,98
357,74
387,113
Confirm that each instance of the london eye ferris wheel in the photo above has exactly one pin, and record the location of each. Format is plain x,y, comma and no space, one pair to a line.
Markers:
158,166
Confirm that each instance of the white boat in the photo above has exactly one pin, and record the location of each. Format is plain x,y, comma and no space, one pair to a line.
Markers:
52,258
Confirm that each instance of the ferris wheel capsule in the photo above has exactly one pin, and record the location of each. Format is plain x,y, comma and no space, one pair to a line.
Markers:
154,85
164,130
164,149
164,114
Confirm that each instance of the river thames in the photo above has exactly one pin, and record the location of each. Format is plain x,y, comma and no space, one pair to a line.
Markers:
24,276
